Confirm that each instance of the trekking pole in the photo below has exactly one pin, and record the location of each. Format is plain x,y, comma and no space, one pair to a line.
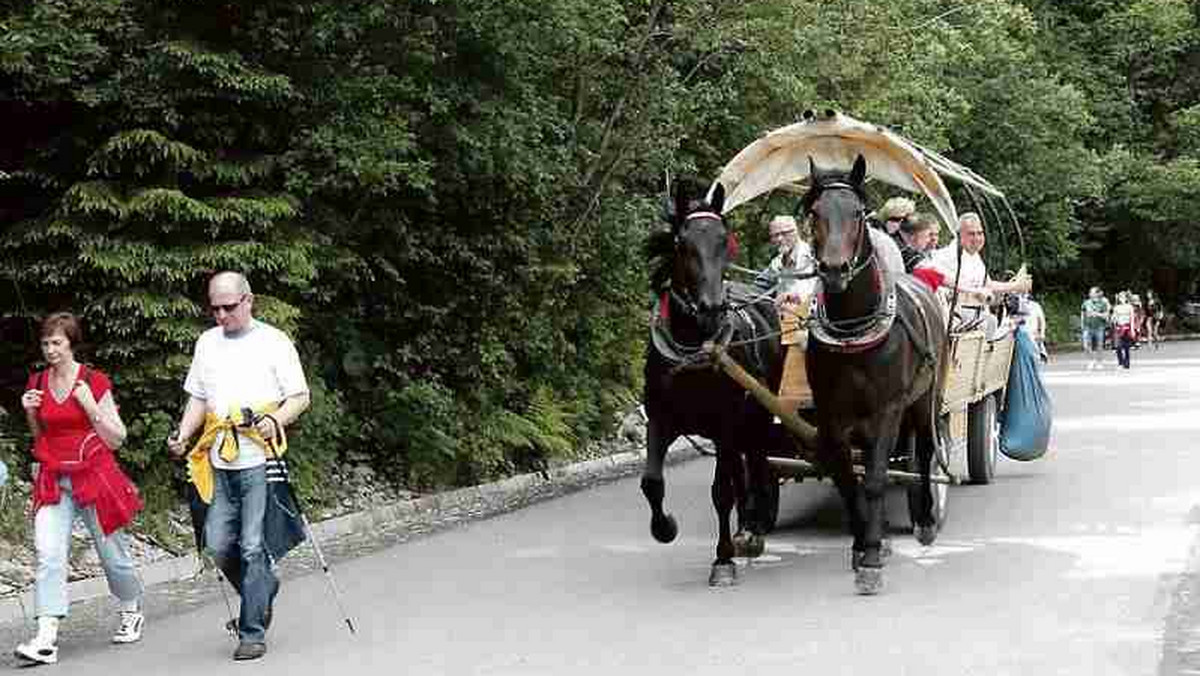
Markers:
231,625
308,531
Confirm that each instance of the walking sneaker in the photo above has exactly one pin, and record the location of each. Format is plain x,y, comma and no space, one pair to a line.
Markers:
130,630
249,651
37,652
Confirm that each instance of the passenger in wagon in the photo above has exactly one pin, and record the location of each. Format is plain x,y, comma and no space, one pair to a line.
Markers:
916,238
976,288
794,258
894,213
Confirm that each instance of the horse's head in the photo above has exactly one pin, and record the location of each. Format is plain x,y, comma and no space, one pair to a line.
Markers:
703,247
835,204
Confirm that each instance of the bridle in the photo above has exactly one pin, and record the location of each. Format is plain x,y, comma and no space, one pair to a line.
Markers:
858,262
852,334
684,297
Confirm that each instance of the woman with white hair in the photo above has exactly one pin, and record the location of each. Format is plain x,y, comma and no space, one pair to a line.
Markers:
1122,320
895,213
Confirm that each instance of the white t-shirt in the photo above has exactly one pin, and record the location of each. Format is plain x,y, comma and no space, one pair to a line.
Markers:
974,271
802,261
1035,320
252,369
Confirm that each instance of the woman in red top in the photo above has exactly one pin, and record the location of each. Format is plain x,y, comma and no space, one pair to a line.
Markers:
76,426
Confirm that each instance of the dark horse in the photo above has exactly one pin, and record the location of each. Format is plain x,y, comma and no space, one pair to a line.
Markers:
685,394
873,363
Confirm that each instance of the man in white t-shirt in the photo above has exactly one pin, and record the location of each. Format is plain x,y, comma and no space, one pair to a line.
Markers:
976,289
240,365
792,295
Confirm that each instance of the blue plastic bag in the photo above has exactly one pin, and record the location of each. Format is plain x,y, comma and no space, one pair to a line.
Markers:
1028,411
3,473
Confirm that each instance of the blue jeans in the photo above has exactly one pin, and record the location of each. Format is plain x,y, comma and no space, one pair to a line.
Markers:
1093,339
233,536
52,537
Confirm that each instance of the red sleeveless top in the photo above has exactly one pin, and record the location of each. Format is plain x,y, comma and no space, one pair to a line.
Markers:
67,436
68,444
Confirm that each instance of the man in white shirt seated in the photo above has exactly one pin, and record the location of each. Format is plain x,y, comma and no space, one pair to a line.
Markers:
792,295
976,290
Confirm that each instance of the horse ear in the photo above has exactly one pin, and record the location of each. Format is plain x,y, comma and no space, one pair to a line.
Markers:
717,203
681,206
859,172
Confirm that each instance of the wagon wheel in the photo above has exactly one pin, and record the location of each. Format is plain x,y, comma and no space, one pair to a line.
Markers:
983,440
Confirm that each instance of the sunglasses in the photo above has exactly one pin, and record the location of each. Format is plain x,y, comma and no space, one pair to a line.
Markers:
228,307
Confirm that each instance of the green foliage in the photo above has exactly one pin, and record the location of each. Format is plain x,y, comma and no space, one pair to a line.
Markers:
444,201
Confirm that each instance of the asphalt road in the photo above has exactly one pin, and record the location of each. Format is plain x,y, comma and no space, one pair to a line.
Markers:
1068,565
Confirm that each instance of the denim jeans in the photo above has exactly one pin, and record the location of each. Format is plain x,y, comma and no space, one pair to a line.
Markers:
52,537
233,536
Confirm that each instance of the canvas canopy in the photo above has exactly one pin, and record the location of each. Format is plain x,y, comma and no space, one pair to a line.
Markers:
833,141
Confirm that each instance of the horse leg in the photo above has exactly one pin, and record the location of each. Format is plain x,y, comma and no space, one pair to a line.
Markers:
753,509
868,579
834,457
724,495
926,527
662,525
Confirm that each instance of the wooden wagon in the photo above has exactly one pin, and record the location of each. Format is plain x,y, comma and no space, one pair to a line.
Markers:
976,364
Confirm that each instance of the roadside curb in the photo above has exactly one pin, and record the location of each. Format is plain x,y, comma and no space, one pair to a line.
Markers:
394,523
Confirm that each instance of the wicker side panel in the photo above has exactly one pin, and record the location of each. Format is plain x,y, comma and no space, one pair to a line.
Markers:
965,352
995,374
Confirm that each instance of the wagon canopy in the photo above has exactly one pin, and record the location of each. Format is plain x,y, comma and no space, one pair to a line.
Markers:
833,141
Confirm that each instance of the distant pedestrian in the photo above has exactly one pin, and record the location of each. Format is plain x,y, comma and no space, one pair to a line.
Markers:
1093,320
76,426
1123,315
1154,317
1034,324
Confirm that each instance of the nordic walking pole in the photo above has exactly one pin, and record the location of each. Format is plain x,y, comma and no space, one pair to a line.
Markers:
231,625
308,532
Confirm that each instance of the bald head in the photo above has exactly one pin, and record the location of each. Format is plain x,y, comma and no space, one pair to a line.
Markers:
230,301
229,282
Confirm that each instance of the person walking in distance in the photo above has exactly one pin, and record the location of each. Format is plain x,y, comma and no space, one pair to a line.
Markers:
1123,314
1093,319
76,428
244,386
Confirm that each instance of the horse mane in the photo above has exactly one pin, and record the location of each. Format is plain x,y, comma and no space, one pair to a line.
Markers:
660,245
659,250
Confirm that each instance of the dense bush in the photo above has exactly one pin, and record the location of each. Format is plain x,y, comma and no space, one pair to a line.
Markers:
443,201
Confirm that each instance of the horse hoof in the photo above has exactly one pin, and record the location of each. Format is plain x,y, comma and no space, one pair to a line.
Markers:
664,529
723,575
926,535
858,555
749,546
868,581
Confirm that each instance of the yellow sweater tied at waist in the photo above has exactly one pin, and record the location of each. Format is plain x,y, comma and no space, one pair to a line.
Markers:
200,471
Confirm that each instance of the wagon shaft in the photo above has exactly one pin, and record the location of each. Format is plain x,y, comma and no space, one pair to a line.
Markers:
804,432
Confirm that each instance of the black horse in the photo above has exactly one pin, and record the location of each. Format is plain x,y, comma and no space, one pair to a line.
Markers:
873,364
685,394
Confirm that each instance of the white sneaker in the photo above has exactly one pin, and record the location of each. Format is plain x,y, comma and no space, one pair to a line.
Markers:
36,652
131,627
